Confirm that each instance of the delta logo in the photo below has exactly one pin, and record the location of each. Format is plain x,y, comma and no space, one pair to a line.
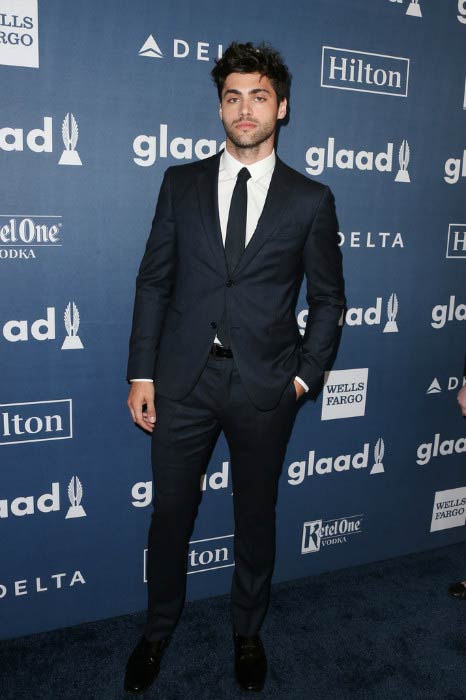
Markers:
180,49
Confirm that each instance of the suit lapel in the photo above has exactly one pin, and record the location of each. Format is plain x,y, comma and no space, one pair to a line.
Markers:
276,204
207,189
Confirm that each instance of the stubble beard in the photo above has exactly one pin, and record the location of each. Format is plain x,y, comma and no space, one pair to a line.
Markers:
250,140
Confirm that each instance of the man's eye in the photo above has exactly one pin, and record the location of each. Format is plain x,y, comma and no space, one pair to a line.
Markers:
260,99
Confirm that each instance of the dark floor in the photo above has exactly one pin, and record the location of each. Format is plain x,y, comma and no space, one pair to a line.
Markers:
376,632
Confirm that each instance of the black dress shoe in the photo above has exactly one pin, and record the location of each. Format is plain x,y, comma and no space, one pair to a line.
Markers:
144,664
250,662
458,590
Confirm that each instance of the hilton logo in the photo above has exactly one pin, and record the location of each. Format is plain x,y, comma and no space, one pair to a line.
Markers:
206,555
36,421
456,244
346,69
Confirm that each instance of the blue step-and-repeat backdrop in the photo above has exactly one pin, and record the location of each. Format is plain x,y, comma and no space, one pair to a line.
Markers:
97,99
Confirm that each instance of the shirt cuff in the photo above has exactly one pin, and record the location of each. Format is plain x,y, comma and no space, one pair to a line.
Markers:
303,384
142,380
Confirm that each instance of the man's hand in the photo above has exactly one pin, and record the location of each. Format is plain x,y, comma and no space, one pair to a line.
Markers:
142,393
462,400
300,390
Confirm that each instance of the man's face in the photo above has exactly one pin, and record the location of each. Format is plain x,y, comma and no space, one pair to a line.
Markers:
249,109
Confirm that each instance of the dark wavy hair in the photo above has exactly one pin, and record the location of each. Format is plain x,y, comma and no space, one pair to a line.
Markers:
247,58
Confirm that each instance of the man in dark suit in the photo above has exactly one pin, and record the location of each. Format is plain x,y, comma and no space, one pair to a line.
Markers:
214,332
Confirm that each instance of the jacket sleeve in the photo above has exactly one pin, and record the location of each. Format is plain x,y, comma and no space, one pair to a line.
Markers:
324,295
153,286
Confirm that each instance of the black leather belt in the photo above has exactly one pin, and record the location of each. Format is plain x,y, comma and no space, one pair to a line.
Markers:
220,351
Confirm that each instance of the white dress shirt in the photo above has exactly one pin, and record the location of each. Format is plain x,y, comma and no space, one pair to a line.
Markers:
258,186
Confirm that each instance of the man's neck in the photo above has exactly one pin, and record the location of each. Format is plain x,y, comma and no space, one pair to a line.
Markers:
248,156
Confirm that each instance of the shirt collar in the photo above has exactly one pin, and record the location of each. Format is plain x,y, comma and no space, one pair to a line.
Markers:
231,166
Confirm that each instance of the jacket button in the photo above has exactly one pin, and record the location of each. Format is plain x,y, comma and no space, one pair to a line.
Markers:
213,324
229,283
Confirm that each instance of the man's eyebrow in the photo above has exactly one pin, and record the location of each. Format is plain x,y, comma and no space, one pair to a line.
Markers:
253,91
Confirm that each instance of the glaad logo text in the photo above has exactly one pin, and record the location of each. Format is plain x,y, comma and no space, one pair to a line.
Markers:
443,313
428,450
148,149
454,169
42,329
40,140
297,471
46,502
319,158
142,491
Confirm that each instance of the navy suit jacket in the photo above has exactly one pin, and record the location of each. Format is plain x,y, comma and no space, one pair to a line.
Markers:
183,285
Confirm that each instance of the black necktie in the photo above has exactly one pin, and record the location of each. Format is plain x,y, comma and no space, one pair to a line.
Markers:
235,239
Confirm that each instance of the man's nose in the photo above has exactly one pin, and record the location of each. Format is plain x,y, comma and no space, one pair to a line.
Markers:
245,107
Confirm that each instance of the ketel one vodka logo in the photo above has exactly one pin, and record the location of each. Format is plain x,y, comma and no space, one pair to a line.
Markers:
324,533
69,131
72,340
75,494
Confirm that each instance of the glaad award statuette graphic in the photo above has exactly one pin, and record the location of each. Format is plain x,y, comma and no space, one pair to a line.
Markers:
403,159
69,131
392,310
379,451
75,494
72,340
414,9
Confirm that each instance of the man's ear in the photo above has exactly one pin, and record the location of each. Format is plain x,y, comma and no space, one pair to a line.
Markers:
282,107
220,111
